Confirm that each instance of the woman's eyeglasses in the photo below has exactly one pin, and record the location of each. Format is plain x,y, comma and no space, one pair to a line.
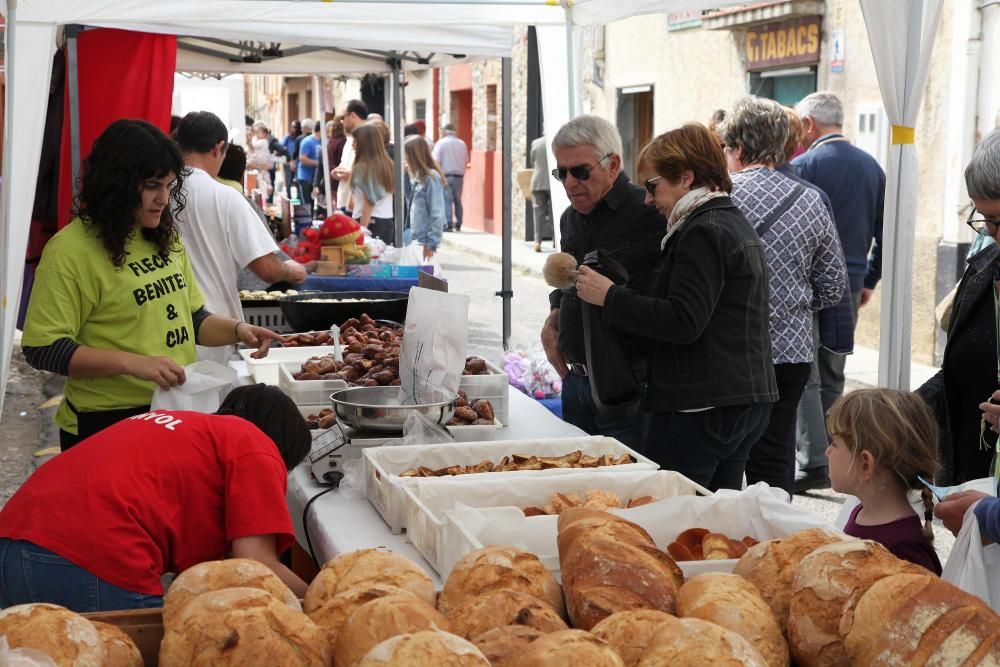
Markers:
978,225
580,172
651,184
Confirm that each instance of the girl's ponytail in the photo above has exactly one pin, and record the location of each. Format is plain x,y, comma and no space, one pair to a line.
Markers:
925,495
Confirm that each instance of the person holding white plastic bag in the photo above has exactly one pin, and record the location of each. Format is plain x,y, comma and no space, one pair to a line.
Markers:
426,201
115,306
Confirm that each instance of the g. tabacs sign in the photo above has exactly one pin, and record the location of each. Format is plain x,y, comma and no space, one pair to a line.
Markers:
787,43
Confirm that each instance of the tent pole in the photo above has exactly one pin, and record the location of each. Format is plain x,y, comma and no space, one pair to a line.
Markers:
73,75
570,60
324,158
397,153
507,154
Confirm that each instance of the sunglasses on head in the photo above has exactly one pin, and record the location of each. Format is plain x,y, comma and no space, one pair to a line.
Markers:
580,172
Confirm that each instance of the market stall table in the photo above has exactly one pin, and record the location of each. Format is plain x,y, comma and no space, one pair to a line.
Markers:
338,523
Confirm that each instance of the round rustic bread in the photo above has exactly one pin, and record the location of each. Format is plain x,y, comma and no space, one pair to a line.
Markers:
503,645
823,582
734,603
628,632
242,626
423,649
500,569
491,610
333,613
692,642
770,566
378,620
919,619
365,567
66,637
122,651
215,575
568,648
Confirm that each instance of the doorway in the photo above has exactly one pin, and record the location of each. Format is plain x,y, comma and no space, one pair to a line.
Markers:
635,123
786,87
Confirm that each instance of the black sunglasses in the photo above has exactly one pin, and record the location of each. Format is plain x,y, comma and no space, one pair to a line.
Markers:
580,172
651,184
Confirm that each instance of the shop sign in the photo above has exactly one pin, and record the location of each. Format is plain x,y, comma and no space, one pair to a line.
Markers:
837,57
683,19
793,42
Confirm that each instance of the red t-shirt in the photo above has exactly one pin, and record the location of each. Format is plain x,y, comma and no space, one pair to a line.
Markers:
155,493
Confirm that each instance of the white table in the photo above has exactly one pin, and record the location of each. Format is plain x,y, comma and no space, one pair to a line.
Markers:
338,523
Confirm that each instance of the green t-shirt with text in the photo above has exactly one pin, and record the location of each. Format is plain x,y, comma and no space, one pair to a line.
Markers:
143,307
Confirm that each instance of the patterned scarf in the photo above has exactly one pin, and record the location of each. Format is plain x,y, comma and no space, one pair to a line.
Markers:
685,205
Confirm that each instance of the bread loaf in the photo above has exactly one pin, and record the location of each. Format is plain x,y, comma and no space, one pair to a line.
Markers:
365,567
380,619
692,642
216,575
503,645
734,603
423,649
628,632
68,638
770,566
568,648
823,582
333,613
242,626
491,610
500,569
610,565
122,651
918,619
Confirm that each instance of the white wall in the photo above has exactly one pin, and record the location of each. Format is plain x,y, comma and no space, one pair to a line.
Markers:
223,97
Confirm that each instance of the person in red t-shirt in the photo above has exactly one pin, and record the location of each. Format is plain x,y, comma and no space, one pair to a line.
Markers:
95,528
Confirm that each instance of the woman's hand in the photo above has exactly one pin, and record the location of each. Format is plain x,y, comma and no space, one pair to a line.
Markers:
259,337
592,287
164,371
428,253
991,411
951,510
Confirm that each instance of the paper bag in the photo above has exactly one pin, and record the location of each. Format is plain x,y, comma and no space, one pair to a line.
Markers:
205,386
432,357
971,566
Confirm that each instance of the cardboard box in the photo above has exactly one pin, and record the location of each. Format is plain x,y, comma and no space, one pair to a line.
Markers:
332,253
143,626
330,269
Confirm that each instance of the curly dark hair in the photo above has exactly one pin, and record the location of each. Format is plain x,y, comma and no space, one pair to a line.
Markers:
126,154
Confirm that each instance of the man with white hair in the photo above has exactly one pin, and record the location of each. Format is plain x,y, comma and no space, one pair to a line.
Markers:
606,213
855,183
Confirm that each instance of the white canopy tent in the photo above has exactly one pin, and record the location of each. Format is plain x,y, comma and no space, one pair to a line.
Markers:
472,28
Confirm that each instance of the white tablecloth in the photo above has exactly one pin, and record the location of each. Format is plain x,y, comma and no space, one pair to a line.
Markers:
339,524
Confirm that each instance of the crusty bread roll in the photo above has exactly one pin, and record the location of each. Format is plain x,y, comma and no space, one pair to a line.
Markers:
918,619
364,567
503,645
734,603
628,632
380,619
242,626
216,575
66,637
423,649
122,651
823,582
333,613
610,567
492,610
692,642
568,648
500,569
770,566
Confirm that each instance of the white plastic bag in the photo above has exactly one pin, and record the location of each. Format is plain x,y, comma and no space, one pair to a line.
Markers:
206,385
971,566
412,254
432,357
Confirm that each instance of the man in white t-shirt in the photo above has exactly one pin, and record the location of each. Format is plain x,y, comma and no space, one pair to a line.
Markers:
219,228
353,114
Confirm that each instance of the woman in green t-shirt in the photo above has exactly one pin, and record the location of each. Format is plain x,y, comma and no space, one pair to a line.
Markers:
115,305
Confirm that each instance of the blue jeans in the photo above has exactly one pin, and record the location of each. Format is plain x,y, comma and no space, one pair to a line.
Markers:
29,573
579,409
453,198
710,447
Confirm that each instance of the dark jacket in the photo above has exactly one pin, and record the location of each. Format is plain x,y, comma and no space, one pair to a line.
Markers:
976,282
705,318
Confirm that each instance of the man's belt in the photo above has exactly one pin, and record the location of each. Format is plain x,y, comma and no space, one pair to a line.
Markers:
455,175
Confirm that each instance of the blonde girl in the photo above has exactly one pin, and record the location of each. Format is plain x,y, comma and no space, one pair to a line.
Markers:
372,183
426,200
881,441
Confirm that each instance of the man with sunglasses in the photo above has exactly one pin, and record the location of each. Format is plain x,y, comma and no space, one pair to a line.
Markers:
606,213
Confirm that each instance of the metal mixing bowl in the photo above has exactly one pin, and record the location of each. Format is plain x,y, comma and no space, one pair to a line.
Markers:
378,409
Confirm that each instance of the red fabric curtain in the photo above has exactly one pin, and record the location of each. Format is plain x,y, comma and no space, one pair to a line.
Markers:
121,74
